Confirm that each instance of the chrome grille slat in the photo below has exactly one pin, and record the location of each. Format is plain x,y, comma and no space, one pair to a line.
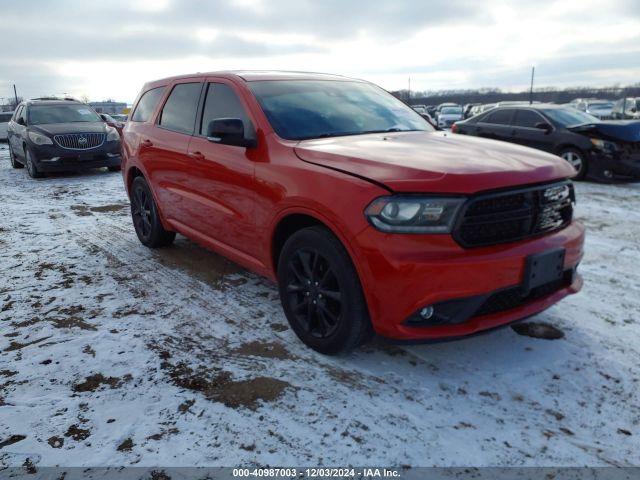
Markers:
80,141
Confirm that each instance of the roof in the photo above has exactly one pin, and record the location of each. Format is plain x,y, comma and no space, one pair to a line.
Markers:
535,106
259,75
51,101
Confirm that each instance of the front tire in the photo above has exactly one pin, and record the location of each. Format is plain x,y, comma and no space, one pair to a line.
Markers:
32,169
321,293
12,158
577,159
145,216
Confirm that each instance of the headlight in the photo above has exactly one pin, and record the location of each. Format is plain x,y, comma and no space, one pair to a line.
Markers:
414,214
604,145
112,134
40,139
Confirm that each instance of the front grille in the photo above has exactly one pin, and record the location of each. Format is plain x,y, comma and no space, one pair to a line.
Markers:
80,141
515,215
517,296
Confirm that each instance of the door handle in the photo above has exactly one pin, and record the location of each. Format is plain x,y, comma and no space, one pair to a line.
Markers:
197,155
147,143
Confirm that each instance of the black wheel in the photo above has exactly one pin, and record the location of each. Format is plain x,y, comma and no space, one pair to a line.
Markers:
114,169
321,293
145,217
12,158
577,159
32,169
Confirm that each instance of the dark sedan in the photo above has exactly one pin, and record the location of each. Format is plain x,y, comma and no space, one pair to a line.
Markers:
60,135
601,150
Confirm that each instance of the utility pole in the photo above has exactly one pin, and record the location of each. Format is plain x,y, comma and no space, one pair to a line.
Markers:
409,94
533,71
15,94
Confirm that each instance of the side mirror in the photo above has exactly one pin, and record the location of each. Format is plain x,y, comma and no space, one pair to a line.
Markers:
633,110
543,126
229,131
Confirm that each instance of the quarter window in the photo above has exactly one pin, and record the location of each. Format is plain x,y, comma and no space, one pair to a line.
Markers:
222,102
499,117
147,105
179,112
527,118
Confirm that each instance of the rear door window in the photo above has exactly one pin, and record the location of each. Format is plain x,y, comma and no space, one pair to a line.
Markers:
499,117
147,105
179,111
222,102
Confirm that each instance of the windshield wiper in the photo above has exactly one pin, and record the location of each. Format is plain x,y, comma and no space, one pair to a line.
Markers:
361,132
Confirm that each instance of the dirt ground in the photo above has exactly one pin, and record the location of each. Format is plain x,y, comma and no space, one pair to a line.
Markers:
112,354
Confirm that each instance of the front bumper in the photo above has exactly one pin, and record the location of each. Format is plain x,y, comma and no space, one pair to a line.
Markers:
624,165
403,273
52,158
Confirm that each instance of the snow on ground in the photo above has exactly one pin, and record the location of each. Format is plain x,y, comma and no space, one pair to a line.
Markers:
112,354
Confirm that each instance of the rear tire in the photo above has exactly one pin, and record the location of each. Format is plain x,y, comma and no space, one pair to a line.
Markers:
12,158
145,216
321,293
577,159
32,169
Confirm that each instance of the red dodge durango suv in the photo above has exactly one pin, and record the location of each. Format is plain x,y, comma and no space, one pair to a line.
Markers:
368,219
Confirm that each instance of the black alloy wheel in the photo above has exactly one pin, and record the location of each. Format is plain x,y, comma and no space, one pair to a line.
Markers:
146,219
321,293
313,293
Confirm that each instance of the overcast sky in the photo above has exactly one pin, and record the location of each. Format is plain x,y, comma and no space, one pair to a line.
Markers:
108,49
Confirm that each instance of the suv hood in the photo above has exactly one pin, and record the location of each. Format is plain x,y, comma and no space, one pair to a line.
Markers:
435,162
76,127
626,131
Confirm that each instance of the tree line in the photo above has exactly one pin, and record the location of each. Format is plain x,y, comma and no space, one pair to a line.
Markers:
493,95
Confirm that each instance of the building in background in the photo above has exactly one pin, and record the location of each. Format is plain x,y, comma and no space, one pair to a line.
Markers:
109,107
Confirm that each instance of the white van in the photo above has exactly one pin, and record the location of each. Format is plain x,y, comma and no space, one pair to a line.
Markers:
5,118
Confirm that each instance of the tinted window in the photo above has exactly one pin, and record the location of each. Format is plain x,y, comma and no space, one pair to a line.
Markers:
499,117
5,117
302,109
527,118
59,113
147,105
567,117
222,102
179,112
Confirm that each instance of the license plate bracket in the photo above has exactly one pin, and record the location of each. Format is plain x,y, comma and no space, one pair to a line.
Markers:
542,268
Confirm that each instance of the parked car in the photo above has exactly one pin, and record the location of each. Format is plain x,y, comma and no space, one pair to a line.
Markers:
626,108
61,135
112,122
448,116
599,149
466,110
5,117
431,110
441,106
601,109
119,117
368,219
421,109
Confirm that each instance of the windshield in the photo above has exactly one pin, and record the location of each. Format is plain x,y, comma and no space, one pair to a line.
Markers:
566,117
600,105
42,114
451,111
304,109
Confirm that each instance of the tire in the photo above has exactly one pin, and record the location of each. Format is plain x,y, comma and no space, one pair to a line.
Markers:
32,169
12,158
577,159
146,219
114,169
321,293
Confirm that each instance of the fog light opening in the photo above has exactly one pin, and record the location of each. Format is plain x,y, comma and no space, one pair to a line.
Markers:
427,312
